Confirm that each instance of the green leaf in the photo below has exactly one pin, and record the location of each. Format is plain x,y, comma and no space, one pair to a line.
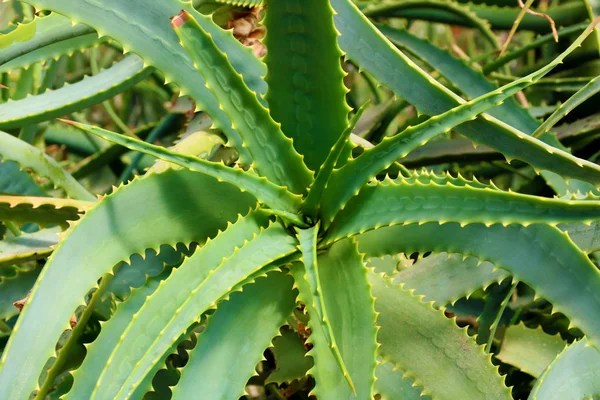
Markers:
315,192
391,384
235,339
149,34
586,237
89,91
97,355
37,37
530,350
458,10
422,341
28,246
306,93
28,156
352,319
445,278
13,180
317,311
45,38
346,181
14,288
501,18
176,201
589,90
574,374
291,362
43,211
274,196
273,155
196,286
468,80
401,202
375,54
539,255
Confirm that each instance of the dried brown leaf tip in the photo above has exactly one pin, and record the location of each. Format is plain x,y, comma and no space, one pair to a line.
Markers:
21,303
247,29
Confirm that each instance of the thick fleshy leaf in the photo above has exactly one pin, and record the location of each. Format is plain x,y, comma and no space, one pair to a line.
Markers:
235,338
422,341
175,209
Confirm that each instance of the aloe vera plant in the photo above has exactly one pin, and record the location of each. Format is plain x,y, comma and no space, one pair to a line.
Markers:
273,228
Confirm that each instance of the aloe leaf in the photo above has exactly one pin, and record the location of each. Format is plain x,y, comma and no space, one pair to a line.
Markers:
352,319
14,180
89,91
537,42
273,154
236,336
291,362
463,13
574,374
530,350
28,156
135,224
444,278
346,181
391,384
96,357
593,9
15,287
586,237
197,285
311,203
274,196
28,247
401,202
311,106
393,69
582,95
38,36
43,211
539,255
469,81
422,341
242,3
149,34
308,239
500,18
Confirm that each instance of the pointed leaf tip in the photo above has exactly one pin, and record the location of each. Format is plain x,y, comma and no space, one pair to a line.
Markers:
3,87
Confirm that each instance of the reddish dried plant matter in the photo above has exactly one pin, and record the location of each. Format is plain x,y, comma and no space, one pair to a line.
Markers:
180,19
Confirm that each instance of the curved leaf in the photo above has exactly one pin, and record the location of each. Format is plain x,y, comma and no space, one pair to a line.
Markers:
28,247
375,54
235,339
574,374
40,33
391,384
422,341
28,156
445,278
207,277
43,211
89,91
274,196
143,27
306,93
401,202
530,350
175,201
273,155
347,181
539,255
352,319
